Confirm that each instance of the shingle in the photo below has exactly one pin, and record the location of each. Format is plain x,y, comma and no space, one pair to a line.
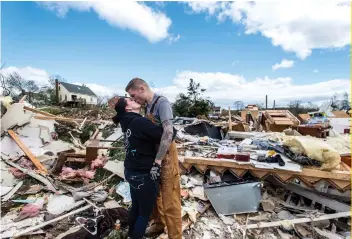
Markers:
78,89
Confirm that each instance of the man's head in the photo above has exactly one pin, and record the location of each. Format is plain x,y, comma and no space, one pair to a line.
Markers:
139,90
125,105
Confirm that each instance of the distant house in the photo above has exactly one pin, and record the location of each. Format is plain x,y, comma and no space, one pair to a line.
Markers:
76,93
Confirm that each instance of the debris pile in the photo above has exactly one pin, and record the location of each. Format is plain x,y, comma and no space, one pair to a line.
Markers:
54,183
62,176
261,184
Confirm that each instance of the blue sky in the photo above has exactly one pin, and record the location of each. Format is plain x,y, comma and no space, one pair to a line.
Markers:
230,48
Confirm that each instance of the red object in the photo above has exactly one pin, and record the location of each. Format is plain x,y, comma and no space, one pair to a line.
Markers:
243,157
226,156
346,131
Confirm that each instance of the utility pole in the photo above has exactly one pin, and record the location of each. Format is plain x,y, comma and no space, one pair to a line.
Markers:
274,105
266,102
230,120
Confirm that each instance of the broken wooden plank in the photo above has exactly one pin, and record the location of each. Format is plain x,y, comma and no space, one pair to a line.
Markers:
26,150
52,221
33,175
57,118
12,192
38,111
298,220
95,134
82,124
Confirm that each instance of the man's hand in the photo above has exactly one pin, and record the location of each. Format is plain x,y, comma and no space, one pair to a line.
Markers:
155,171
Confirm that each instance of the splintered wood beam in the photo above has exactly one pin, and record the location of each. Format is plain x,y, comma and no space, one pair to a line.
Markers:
57,118
26,150
38,111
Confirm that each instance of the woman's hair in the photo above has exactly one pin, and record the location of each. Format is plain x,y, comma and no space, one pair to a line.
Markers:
120,108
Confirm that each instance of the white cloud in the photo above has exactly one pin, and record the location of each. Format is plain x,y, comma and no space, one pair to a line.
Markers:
315,70
151,24
174,39
294,26
39,76
223,88
283,64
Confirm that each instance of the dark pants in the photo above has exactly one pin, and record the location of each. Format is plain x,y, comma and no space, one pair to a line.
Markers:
144,191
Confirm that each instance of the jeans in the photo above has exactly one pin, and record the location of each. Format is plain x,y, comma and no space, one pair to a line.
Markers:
144,192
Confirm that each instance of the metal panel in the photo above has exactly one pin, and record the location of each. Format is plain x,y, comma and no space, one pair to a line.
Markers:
234,197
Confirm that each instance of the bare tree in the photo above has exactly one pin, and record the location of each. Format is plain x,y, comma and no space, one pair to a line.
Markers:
102,100
260,106
21,86
239,105
56,77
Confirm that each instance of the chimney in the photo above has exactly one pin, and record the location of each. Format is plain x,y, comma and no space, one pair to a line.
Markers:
57,90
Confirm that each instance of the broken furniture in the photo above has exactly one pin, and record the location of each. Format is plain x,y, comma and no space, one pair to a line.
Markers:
278,120
315,130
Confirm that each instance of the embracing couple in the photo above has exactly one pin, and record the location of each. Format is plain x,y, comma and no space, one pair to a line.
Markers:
151,163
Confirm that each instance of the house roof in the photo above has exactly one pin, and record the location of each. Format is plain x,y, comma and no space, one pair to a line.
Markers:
84,90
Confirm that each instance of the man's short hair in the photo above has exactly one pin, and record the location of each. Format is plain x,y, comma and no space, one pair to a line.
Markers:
135,83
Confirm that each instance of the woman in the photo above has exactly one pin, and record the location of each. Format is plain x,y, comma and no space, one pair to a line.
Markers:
141,136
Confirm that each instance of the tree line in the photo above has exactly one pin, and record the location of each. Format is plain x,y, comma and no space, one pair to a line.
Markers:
193,103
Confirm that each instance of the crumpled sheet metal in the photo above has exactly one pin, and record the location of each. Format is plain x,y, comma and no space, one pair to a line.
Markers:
234,198
314,149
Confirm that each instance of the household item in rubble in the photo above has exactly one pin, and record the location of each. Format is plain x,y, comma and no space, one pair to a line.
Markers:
226,152
271,159
235,197
242,157
275,159
89,224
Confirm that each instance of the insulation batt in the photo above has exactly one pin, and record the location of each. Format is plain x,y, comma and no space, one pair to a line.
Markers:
99,162
314,149
69,173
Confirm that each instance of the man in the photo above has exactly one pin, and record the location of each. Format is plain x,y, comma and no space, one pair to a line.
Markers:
141,136
168,209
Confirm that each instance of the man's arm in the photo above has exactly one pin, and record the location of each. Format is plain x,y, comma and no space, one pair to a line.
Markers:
165,142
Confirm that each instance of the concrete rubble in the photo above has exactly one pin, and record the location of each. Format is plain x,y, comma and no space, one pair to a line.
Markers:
82,155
